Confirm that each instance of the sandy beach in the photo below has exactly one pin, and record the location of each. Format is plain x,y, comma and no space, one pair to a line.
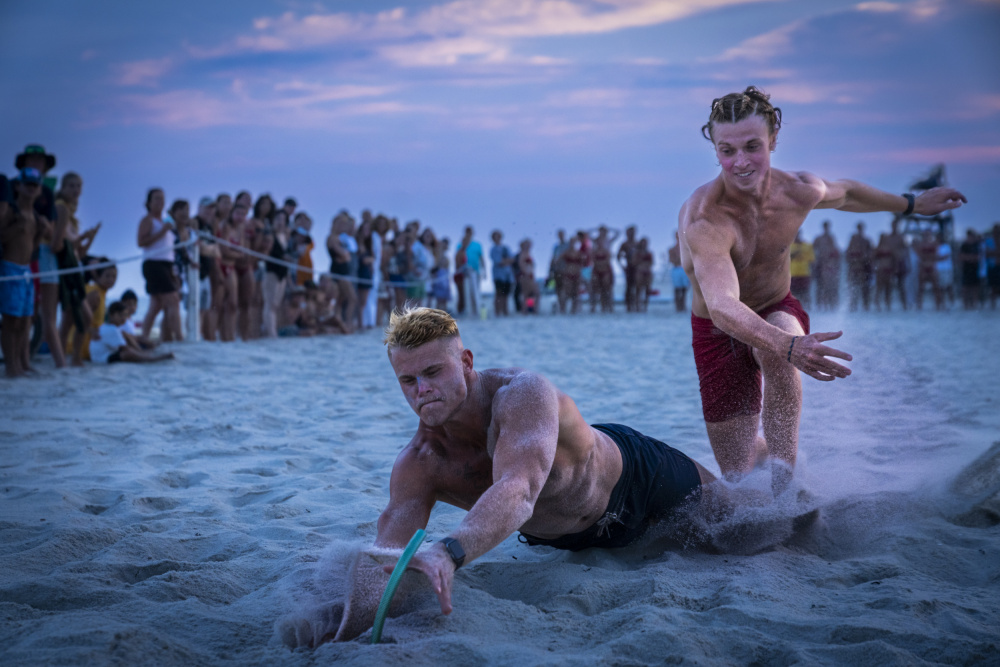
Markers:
185,513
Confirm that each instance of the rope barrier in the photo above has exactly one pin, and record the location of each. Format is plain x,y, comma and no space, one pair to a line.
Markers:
304,269
205,236
92,267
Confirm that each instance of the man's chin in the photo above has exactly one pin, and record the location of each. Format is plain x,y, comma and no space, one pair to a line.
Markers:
432,414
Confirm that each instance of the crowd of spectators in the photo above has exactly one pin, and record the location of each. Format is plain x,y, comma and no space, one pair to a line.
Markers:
248,265
46,264
900,267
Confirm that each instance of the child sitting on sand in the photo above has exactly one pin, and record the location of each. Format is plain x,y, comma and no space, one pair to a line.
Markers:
132,334
112,347
290,312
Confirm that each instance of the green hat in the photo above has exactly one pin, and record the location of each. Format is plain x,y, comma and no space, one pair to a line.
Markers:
35,149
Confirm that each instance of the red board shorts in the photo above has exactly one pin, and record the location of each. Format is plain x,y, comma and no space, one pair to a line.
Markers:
728,374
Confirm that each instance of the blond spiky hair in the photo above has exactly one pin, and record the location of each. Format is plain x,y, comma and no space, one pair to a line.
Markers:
412,327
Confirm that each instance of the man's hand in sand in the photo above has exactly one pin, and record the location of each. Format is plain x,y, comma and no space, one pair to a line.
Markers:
809,355
438,566
937,200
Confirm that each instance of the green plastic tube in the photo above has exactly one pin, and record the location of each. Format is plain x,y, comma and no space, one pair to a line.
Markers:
390,588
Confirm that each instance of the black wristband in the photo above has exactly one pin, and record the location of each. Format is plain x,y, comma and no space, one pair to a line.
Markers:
455,551
790,346
910,200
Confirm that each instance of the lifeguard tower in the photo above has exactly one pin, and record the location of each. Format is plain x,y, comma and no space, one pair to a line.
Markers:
941,224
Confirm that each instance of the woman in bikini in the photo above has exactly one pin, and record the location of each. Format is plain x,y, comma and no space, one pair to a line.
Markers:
246,285
602,279
572,266
69,247
643,274
232,232
526,278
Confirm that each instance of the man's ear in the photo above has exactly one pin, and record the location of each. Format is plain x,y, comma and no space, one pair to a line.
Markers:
774,141
467,359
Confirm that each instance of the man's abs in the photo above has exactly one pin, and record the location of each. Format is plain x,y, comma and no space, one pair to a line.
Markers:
578,489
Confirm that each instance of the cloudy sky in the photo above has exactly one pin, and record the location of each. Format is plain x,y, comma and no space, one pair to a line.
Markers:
526,115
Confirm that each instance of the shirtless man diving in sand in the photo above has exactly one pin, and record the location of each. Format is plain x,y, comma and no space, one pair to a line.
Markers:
509,447
735,234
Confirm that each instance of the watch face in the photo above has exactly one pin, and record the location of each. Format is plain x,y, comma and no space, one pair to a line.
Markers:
455,550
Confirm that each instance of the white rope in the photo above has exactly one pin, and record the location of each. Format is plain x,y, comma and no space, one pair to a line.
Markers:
91,267
213,239
304,269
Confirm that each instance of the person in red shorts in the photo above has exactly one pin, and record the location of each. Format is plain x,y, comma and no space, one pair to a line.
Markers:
735,234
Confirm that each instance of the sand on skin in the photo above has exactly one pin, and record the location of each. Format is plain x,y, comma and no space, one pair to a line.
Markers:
178,514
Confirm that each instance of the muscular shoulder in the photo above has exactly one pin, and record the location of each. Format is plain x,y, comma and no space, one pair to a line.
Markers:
801,187
699,205
513,385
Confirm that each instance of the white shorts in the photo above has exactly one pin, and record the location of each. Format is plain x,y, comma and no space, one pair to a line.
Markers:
205,288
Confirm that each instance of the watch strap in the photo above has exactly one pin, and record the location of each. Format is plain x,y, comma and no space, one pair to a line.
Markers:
910,201
455,550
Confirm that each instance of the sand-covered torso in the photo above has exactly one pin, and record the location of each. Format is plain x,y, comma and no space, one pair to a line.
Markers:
584,470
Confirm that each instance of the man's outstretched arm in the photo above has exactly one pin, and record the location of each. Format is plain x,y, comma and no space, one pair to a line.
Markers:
528,417
856,197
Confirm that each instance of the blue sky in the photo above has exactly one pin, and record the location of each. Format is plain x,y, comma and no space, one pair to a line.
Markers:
527,115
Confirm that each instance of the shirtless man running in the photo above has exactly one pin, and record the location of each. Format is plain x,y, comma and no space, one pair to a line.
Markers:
735,235
509,447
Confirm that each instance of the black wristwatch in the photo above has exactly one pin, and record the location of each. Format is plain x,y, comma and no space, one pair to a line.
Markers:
455,550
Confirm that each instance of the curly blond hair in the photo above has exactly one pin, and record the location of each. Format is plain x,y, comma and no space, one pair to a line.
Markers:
412,327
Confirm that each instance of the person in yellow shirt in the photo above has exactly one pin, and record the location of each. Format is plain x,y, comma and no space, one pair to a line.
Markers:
93,313
802,258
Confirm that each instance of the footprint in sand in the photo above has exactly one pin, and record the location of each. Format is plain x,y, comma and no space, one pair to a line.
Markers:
980,481
155,504
178,479
860,573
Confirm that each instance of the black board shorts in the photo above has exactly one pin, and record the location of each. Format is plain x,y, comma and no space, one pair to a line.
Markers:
656,481
160,276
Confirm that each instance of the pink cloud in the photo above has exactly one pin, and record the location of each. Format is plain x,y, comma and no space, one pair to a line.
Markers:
590,97
461,30
185,109
763,47
143,72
